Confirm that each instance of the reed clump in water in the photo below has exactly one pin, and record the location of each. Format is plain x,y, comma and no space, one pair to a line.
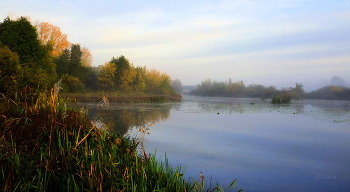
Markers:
284,99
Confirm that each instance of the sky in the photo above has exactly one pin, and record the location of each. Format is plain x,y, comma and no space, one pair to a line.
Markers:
269,42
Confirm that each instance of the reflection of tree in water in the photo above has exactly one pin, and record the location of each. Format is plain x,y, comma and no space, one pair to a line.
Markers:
121,120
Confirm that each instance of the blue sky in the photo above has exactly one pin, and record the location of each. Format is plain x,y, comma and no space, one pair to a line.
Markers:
277,42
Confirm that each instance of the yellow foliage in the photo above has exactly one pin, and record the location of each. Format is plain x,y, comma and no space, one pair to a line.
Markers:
86,57
52,35
336,89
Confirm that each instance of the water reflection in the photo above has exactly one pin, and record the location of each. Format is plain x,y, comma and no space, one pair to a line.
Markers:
122,117
300,146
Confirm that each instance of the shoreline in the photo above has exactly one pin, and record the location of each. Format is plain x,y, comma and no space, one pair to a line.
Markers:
124,99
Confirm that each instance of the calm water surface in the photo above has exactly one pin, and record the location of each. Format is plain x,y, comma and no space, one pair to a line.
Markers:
303,146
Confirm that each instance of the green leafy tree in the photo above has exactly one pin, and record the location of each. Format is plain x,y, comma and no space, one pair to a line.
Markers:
62,63
90,80
75,60
10,71
139,82
20,36
70,62
106,78
165,87
72,84
124,74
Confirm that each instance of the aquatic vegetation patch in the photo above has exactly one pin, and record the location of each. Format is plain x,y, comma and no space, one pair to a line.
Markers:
280,99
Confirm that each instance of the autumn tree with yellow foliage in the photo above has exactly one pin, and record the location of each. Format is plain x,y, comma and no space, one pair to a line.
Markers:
86,57
52,37
120,75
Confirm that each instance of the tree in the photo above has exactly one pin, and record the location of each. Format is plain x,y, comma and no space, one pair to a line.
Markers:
299,91
165,87
75,60
37,66
106,78
21,37
86,57
157,82
9,71
139,83
124,74
90,80
176,85
52,36
152,80
62,63
72,84
70,62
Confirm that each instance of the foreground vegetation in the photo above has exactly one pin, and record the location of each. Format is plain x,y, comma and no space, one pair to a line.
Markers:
46,147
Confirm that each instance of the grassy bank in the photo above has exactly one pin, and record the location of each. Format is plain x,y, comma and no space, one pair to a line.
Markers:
46,147
123,97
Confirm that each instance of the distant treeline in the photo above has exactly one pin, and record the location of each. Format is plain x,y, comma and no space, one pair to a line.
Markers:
37,56
330,92
239,89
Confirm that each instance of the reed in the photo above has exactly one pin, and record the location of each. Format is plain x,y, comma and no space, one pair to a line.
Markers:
116,97
46,147
282,99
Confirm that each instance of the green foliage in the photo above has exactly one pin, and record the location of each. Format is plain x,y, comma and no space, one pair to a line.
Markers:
215,88
38,70
139,82
165,87
106,78
238,89
62,63
90,79
21,37
28,63
69,63
72,84
10,71
283,99
330,92
75,60
124,73
120,75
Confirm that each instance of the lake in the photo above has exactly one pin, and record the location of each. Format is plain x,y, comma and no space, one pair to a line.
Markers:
302,146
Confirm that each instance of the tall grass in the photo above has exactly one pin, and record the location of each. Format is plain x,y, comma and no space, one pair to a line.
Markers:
45,147
124,97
